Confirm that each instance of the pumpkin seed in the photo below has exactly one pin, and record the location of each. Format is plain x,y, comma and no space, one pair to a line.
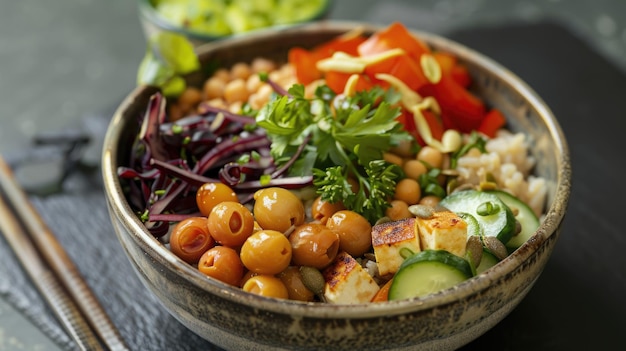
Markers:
474,250
496,247
313,279
422,211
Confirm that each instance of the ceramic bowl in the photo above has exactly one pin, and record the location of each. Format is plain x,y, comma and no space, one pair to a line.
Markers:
153,22
235,320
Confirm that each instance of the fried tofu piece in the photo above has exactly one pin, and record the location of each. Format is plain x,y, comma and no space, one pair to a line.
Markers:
389,238
347,282
445,230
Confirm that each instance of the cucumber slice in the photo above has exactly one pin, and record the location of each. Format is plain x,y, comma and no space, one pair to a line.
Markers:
525,216
488,260
473,228
428,272
500,221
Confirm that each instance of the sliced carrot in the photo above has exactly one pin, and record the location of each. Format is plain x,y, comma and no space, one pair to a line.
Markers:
383,294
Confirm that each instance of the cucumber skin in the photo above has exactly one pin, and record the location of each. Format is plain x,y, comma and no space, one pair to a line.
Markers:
456,203
529,220
488,261
441,257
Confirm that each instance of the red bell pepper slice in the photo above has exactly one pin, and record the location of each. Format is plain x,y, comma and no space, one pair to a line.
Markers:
336,81
450,66
344,43
402,67
460,109
434,123
394,36
304,65
494,120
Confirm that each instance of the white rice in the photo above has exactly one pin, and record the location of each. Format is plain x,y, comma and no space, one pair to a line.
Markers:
508,161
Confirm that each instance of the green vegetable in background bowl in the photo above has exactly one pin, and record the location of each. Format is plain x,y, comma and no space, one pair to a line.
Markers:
209,20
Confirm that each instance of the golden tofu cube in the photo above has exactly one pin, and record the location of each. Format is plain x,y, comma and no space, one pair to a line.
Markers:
347,282
445,230
389,238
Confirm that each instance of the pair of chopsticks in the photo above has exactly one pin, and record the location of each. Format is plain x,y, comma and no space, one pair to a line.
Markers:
52,270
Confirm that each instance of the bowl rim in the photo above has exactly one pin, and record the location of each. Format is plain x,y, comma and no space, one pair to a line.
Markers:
475,285
148,13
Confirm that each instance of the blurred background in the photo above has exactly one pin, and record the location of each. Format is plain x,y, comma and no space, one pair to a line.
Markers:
66,64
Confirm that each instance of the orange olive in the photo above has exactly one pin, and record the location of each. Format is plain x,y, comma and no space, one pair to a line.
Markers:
277,209
266,285
313,245
230,223
190,238
211,194
292,278
222,263
355,232
321,210
247,275
266,252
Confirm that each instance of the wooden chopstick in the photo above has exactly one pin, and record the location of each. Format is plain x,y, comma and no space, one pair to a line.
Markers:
62,286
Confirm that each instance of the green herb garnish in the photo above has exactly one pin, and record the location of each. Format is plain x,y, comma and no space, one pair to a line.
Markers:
346,138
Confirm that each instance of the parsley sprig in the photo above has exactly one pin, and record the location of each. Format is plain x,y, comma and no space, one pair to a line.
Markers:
346,139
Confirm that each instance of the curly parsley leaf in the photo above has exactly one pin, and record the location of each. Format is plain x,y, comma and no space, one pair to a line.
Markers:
347,137
374,187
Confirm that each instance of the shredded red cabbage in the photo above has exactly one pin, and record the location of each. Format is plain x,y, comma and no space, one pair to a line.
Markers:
170,160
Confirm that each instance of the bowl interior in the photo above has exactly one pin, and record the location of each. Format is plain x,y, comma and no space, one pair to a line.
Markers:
525,110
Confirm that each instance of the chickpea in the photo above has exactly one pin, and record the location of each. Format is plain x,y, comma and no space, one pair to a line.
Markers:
211,194
404,149
398,210
266,252
266,285
235,90
222,74
408,190
355,232
253,83
414,169
322,210
190,239
261,64
292,278
175,113
277,209
189,98
430,200
230,223
213,88
313,245
393,158
240,70
222,263
430,155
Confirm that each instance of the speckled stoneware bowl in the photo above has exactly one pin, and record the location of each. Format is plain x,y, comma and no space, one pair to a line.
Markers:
236,320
